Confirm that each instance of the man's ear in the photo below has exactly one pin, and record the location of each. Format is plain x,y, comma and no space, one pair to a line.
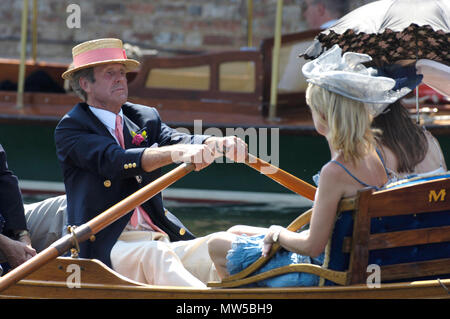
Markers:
84,84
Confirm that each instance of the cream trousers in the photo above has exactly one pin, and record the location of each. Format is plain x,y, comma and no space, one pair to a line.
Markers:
143,256
151,258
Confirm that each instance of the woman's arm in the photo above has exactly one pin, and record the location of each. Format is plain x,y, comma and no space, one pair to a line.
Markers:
313,242
247,230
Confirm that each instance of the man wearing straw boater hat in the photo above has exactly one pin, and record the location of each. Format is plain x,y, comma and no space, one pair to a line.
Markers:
109,148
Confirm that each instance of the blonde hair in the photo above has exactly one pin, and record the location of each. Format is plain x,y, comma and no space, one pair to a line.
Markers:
348,122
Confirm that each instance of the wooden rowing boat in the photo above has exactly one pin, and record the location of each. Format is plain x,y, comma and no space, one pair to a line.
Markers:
66,277
98,281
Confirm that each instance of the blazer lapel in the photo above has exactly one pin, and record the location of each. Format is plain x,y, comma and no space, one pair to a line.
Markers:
97,125
127,128
100,128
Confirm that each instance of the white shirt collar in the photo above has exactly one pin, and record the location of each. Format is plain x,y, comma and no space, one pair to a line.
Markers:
108,118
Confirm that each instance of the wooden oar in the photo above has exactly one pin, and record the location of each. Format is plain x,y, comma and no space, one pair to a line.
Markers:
284,178
96,224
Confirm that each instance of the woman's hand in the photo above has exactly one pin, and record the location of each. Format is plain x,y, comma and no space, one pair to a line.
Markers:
272,236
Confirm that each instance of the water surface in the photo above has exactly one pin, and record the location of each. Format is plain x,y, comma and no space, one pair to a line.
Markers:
202,219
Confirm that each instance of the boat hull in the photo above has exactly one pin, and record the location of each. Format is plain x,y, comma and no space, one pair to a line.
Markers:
99,282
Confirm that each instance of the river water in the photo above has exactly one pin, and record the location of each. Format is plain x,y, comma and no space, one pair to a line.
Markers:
202,219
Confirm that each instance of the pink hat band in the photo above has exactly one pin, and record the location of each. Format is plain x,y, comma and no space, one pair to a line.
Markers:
98,55
99,51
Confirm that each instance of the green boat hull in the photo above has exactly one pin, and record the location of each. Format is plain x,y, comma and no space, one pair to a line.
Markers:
32,156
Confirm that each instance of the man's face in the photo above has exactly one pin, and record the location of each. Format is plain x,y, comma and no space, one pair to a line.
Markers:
312,14
110,89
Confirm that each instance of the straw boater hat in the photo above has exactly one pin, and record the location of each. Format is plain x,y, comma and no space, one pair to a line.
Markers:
97,52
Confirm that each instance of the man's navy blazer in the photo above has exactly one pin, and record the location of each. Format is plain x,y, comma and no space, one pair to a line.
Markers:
11,203
98,173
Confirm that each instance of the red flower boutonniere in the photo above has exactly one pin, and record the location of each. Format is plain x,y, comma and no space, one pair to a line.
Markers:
138,138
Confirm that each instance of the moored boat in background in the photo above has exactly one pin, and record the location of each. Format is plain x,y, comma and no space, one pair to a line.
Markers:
216,93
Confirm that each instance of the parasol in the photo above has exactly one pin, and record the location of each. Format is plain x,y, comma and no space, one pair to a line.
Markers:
391,30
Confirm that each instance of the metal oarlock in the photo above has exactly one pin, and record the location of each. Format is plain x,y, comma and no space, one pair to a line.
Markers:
74,251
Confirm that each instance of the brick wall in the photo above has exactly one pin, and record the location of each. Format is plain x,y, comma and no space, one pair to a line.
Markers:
171,26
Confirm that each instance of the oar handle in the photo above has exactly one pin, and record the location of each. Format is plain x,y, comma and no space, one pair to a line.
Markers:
85,231
284,178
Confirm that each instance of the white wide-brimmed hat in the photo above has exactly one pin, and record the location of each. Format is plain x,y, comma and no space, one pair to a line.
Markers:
97,52
346,75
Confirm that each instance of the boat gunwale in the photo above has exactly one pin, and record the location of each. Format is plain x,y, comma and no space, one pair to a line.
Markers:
360,291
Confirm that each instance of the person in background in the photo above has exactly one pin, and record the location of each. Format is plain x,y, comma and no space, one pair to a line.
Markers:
15,242
338,95
322,14
319,15
408,149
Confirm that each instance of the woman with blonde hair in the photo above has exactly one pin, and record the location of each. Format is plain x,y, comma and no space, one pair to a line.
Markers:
337,95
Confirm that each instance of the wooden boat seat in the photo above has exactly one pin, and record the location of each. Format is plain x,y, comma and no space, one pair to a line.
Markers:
404,229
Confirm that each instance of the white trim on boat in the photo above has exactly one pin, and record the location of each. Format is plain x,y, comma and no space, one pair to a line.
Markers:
187,195
205,195
41,187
